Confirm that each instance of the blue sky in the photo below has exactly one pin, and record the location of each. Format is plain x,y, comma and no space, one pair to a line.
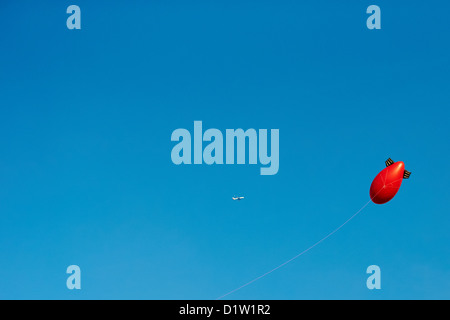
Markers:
87,179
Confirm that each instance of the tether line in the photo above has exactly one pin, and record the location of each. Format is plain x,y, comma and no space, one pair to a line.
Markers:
298,255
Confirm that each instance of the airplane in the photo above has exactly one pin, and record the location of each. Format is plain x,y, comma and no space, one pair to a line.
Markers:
238,198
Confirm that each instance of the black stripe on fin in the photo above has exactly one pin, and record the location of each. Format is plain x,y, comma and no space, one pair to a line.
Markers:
389,162
406,174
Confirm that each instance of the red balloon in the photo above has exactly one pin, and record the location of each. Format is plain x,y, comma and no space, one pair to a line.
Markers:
387,183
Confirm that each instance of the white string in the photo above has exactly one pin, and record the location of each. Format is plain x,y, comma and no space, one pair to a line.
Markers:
301,253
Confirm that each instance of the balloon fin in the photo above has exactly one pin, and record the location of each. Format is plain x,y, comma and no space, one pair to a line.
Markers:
406,174
389,162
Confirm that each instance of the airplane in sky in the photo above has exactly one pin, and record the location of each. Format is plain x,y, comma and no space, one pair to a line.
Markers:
238,198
